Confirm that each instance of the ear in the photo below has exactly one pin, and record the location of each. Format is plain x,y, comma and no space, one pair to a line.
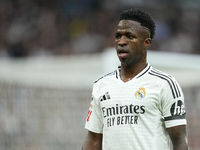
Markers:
147,43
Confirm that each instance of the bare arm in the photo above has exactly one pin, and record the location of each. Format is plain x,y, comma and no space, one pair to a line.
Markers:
93,141
178,137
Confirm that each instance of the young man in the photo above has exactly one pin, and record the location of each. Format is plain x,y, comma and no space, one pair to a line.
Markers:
136,107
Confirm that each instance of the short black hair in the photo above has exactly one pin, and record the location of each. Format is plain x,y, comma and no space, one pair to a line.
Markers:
141,16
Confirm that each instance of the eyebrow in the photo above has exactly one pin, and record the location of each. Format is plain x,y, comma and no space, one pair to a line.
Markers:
124,32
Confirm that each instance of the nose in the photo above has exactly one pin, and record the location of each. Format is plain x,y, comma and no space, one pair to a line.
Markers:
122,41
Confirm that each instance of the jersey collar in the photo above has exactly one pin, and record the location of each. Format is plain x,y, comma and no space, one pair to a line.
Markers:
144,71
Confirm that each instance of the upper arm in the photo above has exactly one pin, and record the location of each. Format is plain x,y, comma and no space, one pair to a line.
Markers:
178,137
93,141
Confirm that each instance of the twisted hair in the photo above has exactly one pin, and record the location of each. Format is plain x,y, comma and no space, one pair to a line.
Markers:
140,16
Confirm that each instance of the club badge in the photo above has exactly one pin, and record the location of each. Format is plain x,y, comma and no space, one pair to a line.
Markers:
140,93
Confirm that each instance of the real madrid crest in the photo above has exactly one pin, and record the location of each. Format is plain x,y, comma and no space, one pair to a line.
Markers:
140,93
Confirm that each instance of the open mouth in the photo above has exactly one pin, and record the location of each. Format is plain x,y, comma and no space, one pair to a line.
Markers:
122,53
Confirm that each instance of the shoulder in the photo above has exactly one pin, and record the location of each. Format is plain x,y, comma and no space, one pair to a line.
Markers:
102,82
160,74
166,81
107,76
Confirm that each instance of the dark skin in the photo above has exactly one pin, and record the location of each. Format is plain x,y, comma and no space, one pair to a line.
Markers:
132,41
178,137
93,141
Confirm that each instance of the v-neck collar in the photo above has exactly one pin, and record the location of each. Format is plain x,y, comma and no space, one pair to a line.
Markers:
145,70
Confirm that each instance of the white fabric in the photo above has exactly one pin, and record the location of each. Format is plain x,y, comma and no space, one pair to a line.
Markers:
135,114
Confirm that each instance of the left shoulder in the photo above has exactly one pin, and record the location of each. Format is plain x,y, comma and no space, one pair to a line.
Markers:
166,81
162,75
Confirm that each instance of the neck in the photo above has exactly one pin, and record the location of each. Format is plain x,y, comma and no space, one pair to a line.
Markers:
129,72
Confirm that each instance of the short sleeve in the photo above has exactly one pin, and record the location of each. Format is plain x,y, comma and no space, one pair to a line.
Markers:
173,106
94,121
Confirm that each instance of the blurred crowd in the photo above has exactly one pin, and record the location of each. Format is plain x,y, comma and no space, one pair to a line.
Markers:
64,27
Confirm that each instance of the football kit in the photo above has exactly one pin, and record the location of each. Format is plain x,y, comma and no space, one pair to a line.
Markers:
135,114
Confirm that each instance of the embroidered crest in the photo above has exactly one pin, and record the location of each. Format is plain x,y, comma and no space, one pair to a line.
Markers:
140,93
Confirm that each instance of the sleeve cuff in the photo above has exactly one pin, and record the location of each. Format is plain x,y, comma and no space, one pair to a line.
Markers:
172,123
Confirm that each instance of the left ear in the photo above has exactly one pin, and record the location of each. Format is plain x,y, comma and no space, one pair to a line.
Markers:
147,43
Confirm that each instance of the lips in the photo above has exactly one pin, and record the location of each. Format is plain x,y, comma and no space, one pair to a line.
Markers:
122,53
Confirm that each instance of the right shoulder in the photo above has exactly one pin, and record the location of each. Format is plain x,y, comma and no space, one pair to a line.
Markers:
103,81
107,76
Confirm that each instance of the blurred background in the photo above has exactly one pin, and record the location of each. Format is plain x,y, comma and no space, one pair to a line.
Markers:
51,51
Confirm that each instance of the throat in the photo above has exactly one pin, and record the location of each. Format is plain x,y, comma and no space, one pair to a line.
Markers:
125,77
126,74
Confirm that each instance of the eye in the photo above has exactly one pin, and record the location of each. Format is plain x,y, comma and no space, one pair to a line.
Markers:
117,36
130,36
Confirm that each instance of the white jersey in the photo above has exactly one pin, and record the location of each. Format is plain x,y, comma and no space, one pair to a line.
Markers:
134,115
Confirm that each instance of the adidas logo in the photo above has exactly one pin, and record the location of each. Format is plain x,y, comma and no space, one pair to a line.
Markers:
106,96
